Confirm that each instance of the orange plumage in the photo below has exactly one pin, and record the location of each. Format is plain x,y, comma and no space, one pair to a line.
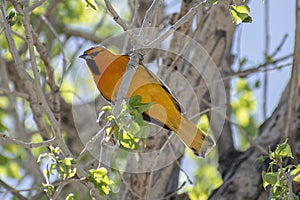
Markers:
108,69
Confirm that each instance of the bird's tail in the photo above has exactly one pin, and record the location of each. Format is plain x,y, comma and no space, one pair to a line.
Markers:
194,138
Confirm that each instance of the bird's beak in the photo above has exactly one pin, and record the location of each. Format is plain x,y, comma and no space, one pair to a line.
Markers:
83,56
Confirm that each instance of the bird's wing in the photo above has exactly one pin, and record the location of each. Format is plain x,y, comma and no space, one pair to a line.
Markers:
158,80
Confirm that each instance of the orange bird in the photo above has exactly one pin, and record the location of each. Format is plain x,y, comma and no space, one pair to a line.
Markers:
108,69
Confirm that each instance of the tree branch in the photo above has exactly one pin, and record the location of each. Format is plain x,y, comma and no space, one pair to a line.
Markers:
12,190
115,15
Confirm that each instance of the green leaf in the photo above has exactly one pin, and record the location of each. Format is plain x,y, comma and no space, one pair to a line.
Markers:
104,111
294,172
213,2
92,4
135,100
240,14
54,150
257,83
135,103
70,196
49,189
100,180
260,159
99,172
106,108
68,161
283,151
104,190
270,178
242,62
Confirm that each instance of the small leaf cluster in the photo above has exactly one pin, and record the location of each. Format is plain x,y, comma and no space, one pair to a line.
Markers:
129,127
100,180
13,18
57,164
280,177
239,13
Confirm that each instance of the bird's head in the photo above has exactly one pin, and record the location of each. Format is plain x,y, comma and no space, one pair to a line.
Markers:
94,57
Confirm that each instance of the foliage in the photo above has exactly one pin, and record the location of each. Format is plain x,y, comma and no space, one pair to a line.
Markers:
240,14
57,164
10,156
64,168
129,127
279,176
207,177
243,110
100,180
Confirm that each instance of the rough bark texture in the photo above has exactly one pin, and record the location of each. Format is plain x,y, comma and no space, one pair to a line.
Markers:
242,180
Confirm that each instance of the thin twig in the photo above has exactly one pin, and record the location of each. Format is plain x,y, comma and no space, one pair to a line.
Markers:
91,141
18,35
178,24
36,4
5,139
115,15
179,166
252,142
173,193
58,190
280,45
198,28
147,22
15,192
16,93
245,73
66,62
